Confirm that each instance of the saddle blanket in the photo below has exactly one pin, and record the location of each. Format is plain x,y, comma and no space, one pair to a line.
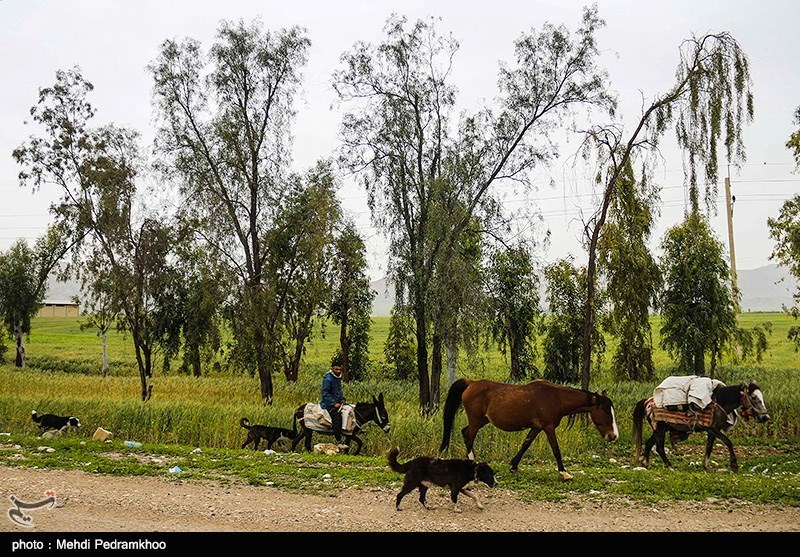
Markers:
702,418
679,391
316,418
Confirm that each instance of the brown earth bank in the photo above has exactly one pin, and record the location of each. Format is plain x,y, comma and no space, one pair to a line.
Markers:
100,503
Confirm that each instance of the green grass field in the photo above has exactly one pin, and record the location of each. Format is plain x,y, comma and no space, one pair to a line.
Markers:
185,412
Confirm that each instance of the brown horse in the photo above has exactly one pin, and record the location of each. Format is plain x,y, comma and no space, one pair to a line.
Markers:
537,406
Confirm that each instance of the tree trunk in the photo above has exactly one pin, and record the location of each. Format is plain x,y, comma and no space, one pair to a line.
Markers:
588,315
344,345
140,365
293,369
148,361
194,357
19,361
264,371
699,361
436,371
422,358
104,342
451,349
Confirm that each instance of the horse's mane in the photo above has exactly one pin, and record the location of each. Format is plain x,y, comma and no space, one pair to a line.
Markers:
583,414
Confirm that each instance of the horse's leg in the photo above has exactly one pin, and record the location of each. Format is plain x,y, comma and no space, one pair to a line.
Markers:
469,433
648,447
308,440
551,437
729,444
660,434
525,444
468,492
709,449
298,438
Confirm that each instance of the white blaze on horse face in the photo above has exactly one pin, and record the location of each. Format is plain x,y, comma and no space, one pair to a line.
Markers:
614,420
471,455
386,428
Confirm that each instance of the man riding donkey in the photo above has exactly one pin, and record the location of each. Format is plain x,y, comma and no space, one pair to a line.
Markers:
333,399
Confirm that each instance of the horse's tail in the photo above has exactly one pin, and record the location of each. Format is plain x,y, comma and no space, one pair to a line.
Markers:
451,406
294,425
245,423
396,466
638,418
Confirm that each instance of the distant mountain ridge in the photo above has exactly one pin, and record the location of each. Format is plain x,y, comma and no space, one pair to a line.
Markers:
766,288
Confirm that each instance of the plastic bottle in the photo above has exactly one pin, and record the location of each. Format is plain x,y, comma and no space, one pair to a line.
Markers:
132,444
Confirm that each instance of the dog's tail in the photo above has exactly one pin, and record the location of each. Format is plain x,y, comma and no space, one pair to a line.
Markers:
245,423
451,406
35,417
394,465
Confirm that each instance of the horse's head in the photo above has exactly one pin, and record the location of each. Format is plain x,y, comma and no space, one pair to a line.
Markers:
753,403
602,414
381,416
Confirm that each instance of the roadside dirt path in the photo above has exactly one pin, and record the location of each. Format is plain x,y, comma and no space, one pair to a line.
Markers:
96,503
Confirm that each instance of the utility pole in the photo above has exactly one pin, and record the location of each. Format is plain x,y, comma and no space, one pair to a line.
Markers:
729,200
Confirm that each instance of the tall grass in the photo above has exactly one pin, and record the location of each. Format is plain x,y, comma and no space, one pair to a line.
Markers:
205,411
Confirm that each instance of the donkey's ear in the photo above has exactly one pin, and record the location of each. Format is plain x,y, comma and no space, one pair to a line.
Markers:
380,397
604,393
375,400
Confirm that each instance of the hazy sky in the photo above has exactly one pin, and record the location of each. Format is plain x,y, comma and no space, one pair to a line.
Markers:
113,41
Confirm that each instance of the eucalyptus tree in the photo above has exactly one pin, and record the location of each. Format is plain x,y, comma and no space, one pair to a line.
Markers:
399,138
562,347
698,313
709,103
23,283
785,230
96,171
201,293
99,300
460,309
350,306
514,293
632,276
225,119
299,266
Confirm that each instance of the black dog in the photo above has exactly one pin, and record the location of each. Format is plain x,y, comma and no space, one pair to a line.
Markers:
51,421
255,433
457,474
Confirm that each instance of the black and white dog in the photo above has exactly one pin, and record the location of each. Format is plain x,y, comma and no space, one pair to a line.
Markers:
423,472
51,421
255,433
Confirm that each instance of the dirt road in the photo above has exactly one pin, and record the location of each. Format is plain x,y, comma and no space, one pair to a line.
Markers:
95,503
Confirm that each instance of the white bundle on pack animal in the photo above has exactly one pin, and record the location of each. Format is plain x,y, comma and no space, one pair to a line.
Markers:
679,391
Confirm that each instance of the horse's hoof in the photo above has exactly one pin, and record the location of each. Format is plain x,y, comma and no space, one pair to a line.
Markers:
565,476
